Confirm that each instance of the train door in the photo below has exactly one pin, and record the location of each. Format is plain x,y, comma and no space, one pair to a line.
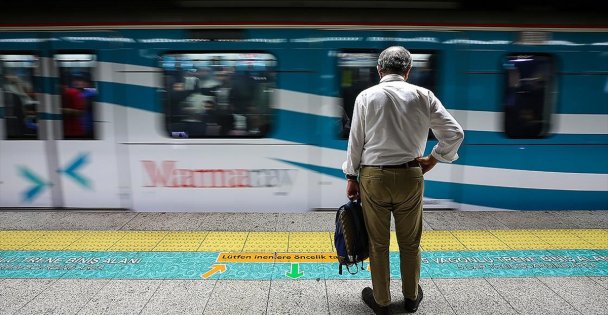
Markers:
24,128
57,130
84,150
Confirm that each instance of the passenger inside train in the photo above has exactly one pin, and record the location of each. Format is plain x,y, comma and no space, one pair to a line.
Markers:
229,93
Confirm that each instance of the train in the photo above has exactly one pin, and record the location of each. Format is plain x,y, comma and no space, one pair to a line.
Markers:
254,117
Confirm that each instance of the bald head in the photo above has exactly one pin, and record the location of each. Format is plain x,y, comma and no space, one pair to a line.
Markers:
394,60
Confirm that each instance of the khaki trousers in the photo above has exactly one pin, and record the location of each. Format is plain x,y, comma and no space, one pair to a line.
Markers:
400,191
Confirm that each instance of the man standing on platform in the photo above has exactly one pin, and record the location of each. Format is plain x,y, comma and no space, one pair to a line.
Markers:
385,167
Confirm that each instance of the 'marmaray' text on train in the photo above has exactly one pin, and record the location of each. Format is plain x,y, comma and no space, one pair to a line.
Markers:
167,174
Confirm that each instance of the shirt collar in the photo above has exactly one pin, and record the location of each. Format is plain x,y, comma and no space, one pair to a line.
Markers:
391,77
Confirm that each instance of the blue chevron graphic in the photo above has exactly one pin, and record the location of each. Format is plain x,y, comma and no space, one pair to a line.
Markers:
39,184
335,172
72,168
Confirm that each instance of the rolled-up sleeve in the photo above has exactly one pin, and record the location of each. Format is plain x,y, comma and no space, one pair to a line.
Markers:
356,139
447,131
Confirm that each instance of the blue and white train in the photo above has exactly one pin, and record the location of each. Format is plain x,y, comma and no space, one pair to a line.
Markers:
255,118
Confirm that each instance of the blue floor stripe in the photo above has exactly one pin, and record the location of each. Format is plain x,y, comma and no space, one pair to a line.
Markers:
192,265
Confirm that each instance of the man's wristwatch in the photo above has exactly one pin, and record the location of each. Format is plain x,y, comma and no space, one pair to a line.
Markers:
352,177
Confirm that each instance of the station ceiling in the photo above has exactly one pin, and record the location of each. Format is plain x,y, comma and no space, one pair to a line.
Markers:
580,5
446,11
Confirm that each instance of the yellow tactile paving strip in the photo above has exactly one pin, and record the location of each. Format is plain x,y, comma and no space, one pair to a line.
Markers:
267,242
293,242
223,241
310,242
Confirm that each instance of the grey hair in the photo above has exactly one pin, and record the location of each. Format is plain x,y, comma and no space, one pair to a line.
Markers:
395,59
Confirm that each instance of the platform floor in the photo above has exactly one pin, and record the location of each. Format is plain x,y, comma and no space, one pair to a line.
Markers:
112,262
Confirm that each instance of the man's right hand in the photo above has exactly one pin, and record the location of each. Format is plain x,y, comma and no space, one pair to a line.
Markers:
352,190
427,163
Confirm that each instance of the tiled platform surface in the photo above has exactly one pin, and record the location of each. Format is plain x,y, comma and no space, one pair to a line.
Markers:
529,295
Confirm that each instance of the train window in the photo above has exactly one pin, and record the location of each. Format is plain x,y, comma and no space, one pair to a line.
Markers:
18,99
528,96
210,95
78,95
358,72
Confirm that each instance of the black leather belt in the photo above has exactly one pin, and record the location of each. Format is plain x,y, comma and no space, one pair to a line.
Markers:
409,164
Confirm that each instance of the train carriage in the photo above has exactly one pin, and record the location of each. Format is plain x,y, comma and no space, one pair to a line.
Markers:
255,118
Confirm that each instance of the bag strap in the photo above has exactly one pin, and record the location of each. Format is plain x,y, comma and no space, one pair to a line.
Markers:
348,268
338,212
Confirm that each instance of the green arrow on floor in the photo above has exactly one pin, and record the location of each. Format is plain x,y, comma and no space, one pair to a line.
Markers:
295,271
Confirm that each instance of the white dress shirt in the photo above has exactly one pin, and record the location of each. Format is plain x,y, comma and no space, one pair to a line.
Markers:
391,122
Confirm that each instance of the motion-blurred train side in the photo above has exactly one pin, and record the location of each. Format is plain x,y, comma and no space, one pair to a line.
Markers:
245,118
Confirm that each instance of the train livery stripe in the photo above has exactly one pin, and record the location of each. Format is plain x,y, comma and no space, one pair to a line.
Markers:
151,77
133,96
562,123
137,77
578,124
547,158
499,138
523,154
516,198
581,124
126,73
331,171
532,158
296,127
519,154
324,106
129,74
498,177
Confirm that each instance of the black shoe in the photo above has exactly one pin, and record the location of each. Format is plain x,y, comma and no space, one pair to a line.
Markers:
411,306
368,297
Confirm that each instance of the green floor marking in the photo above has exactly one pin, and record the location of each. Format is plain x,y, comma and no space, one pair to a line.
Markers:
295,271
